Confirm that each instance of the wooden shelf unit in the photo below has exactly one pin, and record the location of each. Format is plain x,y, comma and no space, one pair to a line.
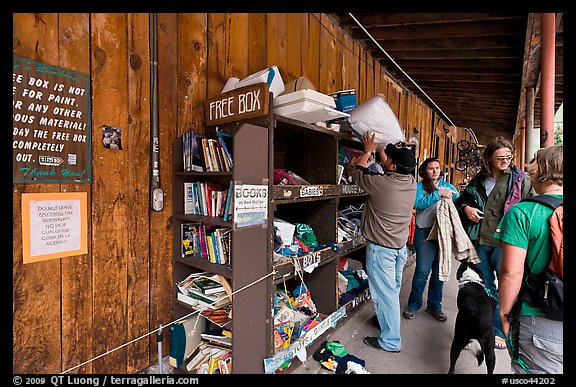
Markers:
260,145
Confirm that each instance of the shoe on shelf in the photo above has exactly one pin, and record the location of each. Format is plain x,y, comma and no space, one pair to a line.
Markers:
499,342
409,313
373,342
438,315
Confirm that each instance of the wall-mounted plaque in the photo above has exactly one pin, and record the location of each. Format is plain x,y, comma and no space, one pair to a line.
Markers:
51,124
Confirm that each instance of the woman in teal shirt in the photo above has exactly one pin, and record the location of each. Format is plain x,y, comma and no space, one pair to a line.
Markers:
429,191
525,234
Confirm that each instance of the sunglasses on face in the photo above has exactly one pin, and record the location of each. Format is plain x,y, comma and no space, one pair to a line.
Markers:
503,158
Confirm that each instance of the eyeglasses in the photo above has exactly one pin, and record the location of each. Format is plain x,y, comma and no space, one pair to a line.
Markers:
503,158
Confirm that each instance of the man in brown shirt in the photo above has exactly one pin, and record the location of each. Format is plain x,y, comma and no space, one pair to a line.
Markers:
385,222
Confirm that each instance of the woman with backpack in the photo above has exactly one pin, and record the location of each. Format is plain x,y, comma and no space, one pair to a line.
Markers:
497,186
526,242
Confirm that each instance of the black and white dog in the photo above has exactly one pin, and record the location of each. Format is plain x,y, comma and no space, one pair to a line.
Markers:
475,319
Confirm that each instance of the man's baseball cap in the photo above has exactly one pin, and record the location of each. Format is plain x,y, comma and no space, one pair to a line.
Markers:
403,158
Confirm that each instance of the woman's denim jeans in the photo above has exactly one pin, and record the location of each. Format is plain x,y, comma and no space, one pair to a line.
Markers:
384,267
427,260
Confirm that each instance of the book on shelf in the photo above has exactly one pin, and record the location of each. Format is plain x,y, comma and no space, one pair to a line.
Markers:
220,316
190,237
227,142
213,155
189,198
192,295
206,155
185,298
192,153
196,298
217,339
208,285
228,205
200,355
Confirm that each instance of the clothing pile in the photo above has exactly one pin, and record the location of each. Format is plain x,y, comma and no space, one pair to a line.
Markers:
334,357
349,222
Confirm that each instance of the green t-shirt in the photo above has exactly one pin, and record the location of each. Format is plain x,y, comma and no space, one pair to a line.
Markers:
526,226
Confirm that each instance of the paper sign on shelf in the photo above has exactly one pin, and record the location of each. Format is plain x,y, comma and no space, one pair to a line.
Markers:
250,204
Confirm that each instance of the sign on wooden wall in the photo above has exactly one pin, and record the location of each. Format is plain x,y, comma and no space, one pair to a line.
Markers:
51,124
238,104
54,225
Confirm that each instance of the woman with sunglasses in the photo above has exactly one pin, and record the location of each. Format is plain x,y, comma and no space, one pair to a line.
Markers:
429,192
499,185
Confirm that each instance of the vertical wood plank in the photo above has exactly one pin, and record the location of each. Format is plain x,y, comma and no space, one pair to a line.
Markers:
312,64
257,38
36,287
350,65
74,54
138,153
216,53
192,67
370,78
276,35
362,97
161,257
110,191
328,56
237,41
296,27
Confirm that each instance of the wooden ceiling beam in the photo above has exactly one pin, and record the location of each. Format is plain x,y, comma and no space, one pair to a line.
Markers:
500,53
493,78
408,64
393,19
471,29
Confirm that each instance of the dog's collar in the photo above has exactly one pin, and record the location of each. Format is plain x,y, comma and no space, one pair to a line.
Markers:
461,283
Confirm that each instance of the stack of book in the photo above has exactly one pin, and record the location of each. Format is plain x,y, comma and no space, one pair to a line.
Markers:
210,359
191,291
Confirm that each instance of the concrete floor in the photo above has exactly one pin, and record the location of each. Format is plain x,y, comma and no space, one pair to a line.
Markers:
425,341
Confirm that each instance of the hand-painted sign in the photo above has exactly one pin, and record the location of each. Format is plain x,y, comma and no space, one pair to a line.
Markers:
51,124
238,104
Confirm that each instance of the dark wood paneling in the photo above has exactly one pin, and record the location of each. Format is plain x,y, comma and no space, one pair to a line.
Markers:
36,287
110,191
77,323
161,286
138,154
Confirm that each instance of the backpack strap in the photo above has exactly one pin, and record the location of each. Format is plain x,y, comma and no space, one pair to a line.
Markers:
550,201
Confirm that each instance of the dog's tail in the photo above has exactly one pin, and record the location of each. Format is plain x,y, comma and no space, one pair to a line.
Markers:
474,345
480,356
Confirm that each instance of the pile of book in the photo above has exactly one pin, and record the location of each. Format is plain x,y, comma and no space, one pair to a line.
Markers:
210,359
204,290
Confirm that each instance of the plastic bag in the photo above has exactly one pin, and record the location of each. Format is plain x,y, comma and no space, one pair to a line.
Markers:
376,116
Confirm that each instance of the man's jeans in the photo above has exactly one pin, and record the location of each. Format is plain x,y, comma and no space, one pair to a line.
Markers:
384,267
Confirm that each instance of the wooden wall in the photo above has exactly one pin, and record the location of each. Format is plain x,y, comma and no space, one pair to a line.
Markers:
69,311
